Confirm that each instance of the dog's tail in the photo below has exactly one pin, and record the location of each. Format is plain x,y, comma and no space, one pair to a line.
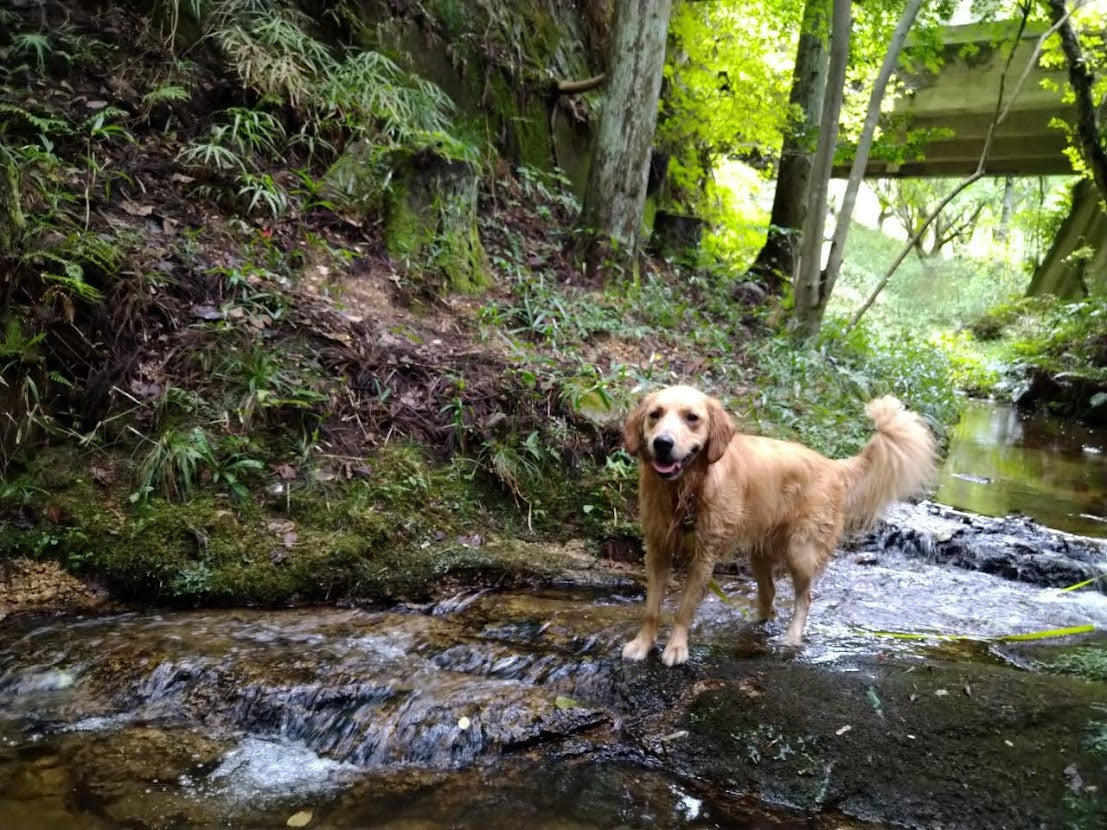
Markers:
898,462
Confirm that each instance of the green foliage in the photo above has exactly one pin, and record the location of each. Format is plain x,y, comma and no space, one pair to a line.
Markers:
727,91
180,460
261,378
817,394
1064,337
337,95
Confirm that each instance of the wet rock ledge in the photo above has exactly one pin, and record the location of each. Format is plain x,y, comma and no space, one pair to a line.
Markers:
1013,547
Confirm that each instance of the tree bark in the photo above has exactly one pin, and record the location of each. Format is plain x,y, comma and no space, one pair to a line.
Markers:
1003,229
807,315
1080,78
615,197
861,155
776,262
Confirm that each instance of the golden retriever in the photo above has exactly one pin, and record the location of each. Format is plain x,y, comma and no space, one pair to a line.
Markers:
779,502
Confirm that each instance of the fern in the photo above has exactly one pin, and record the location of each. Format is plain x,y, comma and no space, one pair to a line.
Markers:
166,94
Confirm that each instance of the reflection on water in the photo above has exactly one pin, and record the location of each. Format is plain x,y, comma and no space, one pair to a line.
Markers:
1004,461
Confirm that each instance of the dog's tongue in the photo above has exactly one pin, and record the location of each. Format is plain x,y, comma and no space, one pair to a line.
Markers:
665,469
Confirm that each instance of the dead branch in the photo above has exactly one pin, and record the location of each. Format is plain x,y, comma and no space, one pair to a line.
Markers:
577,87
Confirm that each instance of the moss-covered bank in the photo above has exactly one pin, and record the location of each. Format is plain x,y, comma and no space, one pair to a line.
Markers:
404,528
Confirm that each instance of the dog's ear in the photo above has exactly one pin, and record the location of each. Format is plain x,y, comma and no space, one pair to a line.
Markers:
634,429
720,429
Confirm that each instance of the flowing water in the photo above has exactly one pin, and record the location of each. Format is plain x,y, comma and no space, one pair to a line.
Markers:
1005,461
513,709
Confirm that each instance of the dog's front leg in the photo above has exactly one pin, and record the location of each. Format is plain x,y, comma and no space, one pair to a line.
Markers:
659,561
699,574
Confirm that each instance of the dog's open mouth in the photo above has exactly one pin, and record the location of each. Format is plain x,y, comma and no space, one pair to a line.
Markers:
670,470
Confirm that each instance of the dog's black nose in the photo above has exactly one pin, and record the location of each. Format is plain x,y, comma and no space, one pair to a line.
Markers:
662,447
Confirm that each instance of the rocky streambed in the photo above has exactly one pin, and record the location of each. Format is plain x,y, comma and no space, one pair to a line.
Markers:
495,709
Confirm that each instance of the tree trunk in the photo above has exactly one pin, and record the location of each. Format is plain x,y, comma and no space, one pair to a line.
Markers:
1003,229
776,263
1087,125
861,155
11,214
808,311
614,200
12,224
431,222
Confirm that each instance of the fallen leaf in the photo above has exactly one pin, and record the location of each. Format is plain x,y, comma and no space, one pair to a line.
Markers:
563,702
237,313
285,471
207,312
749,688
136,209
102,476
463,723
96,105
289,539
844,730
473,541
941,692
300,819
968,690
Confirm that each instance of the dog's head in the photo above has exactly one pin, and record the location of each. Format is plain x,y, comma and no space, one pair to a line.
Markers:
671,428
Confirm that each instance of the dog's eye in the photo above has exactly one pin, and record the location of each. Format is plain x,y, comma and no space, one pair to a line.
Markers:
655,415
692,418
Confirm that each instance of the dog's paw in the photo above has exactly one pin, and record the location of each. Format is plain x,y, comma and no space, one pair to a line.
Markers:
675,654
636,649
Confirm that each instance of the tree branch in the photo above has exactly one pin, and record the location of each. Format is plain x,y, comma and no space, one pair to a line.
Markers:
1080,78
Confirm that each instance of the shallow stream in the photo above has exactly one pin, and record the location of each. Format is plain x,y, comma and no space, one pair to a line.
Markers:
1004,461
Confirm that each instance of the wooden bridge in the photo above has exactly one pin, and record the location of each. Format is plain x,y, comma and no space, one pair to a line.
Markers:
959,102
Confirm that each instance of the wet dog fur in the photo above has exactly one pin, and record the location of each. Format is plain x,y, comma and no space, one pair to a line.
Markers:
778,502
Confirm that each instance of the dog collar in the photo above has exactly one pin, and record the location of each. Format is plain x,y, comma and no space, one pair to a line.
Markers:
688,517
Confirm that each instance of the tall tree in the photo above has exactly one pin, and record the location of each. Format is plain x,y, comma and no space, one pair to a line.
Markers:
615,197
808,302
776,262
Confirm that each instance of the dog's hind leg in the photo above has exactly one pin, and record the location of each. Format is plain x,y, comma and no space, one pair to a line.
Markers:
804,562
659,561
699,574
